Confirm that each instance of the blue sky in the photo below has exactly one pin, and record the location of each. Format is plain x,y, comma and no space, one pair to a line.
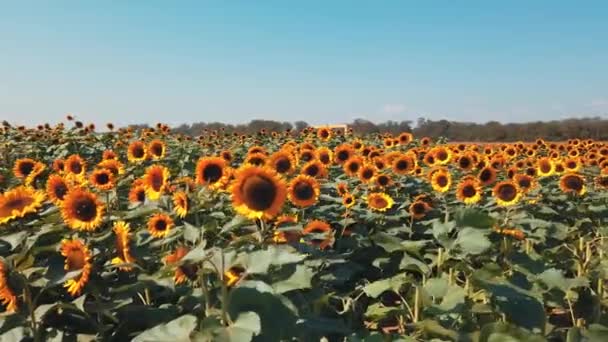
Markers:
319,61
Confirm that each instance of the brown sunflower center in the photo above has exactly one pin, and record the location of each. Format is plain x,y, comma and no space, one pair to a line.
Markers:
102,178
402,164
212,173
312,170
156,181
383,180
418,208
283,165
464,162
469,191
160,225
75,259
367,173
342,155
353,167
603,181
25,168
157,149
379,202
430,159
485,175
545,167
75,167
441,155
507,192
256,161
442,181
85,209
574,183
524,182
141,195
571,164
306,156
303,191
258,192
60,190
324,134
324,158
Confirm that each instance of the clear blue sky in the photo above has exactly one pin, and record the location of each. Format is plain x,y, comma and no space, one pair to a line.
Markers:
320,61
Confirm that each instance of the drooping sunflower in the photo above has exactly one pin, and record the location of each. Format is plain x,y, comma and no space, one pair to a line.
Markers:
545,167
324,133
123,250
157,149
506,193
137,192
77,257
159,225
573,183
136,152
56,188
75,166
404,164
282,162
441,180
82,210
233,275
314,168
487,175
7,295
258,192
257,149
180,203
348,200
156,181
182,272
212,172
469,190
18,202
303,191
379,201
418,209
102,179
321,232
226,155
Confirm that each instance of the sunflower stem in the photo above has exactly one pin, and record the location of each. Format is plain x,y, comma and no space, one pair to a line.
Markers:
27,296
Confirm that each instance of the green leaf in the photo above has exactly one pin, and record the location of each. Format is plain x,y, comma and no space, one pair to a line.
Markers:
554,278
177,330
504,332
300,279
376,288
473,241
437,287
472,217
246,326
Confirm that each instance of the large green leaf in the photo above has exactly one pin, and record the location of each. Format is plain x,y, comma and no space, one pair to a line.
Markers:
177,330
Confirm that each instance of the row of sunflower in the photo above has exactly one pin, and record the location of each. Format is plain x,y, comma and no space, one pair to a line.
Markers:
123,207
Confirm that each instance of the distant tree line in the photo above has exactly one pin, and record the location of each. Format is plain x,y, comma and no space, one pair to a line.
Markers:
556,130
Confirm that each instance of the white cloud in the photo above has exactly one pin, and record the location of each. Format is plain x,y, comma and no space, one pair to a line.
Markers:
396,108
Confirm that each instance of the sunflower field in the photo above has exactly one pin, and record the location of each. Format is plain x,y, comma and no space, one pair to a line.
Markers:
146,235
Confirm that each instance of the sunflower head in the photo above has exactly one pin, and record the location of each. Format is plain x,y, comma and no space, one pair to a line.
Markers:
109,154
418,209
379,201
28,169
324,133
351,166
315,169
82,210
156,181
525,182
18,202
180,203
319,233
123,251
303,191
183,272
572,183
75,166
367,173
102,179
348,200
212,172
506,193
403,164
157,149
136,152
469,191
56,188
7,295
77,257
545,167
258,192
324,155
159,225
282,162
342,153
137,193
441,180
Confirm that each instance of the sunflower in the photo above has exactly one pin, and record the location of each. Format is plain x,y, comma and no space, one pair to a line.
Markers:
358,144
77,257
226,155
405,138
159,225
382,180
113,165
75,166
212,171
418,209
109,155
307,155
525,182
137,193
7,295
319,228
545,167
58,165
366,173
303,191
182,272
348,200
572,183
469,191
429,159
56,188
506,193
572,164
155,181
180,204
157,149
342,188
559,167
257,159
487,175
314,168
258,192
257,149
379,201
122,230
28,169
601,182
102,179
404,164
441,180
233,275
465,162
342,153
136,152
282,162
18,202
324,133
324,155
352,166
82,210
442,155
